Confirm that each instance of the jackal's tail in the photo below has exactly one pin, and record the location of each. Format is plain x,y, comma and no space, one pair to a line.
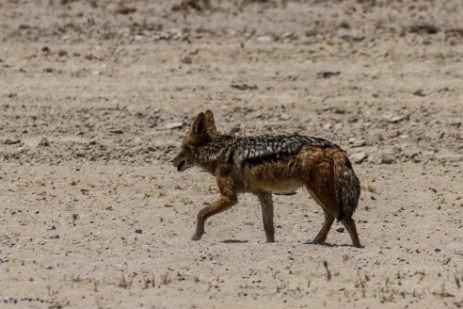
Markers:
347,186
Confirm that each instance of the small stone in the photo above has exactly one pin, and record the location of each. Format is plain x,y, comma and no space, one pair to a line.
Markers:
187,60
174,125
135,150
125,10
235,129
327,74
288,35
340,230
44,142
265,39
419,93
388,159
397,119
138,231
151,148
327,126
11,141
358,157
116,131
285,117
243,86
359,143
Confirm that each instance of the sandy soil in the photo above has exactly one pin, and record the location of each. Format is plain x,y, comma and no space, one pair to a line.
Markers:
96,96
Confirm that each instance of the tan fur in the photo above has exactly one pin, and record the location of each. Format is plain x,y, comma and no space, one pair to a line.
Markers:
322,168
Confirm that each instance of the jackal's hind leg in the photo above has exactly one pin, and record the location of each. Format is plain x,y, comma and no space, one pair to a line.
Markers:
350,227
221,204
321,237
267,215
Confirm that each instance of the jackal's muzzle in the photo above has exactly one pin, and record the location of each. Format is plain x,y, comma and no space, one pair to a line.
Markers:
181,164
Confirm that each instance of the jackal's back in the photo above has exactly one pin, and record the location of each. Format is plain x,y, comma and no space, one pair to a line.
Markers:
259,149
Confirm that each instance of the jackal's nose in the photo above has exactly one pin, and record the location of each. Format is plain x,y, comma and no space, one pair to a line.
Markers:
180,165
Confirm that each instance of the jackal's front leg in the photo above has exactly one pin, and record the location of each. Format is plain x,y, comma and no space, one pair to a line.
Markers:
267,215
221,204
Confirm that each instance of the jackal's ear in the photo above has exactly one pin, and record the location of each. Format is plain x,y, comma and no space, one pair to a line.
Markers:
210,122
199,124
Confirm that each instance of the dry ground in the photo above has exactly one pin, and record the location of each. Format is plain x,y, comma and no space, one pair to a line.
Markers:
96,96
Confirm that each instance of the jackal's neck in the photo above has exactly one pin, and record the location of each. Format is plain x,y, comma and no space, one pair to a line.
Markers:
210,152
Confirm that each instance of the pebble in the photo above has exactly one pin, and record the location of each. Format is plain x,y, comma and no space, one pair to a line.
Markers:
288,35
397,119
359,143
236,128
265,39
327,126
358,157
44,142
243,86
419,93
327,74
388,159
11,141
187,60
174,125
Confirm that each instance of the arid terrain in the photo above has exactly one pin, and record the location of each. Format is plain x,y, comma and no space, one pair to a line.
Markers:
96,96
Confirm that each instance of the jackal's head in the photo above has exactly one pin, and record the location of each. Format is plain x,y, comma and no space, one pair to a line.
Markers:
201,129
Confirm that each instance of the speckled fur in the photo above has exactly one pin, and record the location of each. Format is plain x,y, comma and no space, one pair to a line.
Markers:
266,164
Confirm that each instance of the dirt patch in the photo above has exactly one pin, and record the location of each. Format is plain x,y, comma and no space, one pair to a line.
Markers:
96,97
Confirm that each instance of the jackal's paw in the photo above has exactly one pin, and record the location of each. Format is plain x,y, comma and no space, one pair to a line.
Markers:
319,240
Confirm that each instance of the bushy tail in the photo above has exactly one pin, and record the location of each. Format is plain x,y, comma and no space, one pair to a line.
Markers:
347,186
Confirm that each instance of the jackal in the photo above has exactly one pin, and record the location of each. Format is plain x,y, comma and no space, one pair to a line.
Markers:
266,164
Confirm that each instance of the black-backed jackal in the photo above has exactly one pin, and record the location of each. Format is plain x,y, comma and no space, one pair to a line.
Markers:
266,164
